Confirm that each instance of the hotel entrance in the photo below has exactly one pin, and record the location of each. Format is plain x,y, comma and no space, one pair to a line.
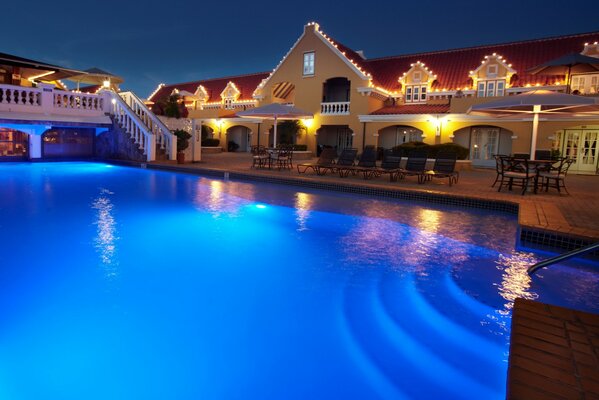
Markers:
13,145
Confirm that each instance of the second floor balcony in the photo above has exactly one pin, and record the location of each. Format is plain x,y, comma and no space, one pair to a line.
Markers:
335,97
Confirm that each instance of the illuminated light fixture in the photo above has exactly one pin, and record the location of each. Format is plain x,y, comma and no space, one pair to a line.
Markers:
260,206
113,101
106,83
33,78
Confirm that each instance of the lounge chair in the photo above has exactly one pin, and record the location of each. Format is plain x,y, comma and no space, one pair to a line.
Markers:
415,166
345,159
366,164
444,167
327,158
389,165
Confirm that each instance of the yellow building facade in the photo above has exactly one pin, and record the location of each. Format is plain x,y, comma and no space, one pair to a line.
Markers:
388,101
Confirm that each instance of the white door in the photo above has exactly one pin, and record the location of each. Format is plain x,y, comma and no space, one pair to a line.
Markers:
483,146
581,146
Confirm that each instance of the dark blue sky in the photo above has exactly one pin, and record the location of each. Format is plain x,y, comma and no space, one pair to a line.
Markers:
148,42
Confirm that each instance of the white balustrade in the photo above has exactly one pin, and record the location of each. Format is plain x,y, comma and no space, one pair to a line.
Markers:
78,101
164,137
334,108
18,98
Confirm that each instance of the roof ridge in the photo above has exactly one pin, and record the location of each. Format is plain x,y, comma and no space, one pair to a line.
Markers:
216,79
482,46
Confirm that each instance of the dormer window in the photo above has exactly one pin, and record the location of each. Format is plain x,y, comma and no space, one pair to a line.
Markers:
415,93
309,63
416,82
488,88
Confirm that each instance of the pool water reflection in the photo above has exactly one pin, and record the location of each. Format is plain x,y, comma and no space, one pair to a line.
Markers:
129,283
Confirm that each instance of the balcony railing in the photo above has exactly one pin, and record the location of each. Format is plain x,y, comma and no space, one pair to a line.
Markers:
335,108
46,99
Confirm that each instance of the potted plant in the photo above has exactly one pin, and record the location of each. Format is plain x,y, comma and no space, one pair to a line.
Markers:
182,144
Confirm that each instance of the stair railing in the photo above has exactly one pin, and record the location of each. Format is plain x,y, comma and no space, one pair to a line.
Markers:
164,137
562,257
133,125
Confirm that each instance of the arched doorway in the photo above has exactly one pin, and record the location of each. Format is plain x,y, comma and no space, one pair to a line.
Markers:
238,138
13,144
580,144
392,136
338,137
484,142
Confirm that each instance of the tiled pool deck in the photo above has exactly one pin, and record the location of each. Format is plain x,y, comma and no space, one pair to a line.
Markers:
545,218
554,353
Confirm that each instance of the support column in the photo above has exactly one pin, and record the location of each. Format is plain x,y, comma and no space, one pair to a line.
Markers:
535,130
35,146
196,140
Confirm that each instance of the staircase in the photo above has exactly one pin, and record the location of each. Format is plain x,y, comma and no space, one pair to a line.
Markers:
145,129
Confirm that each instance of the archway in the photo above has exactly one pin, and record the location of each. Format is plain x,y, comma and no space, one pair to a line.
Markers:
68,143
13,144
395,135
238,138
484,142
338,137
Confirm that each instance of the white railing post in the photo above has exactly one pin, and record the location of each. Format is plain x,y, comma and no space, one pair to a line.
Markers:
47,97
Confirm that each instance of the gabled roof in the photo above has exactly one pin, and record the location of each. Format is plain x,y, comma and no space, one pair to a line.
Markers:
453,66
246,84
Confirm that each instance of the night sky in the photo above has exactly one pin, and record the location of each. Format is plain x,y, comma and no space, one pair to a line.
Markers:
173,41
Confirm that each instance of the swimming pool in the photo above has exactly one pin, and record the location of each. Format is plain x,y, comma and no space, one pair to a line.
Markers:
120,283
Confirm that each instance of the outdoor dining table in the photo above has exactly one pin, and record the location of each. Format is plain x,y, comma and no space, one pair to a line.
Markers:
538,166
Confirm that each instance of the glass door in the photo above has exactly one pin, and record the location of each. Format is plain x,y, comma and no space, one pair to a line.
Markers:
587,157
484,144
13,144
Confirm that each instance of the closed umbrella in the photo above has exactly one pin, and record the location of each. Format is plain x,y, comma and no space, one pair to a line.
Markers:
569,64
538,102
275,111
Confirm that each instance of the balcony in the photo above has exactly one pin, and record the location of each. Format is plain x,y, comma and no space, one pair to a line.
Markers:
46,100
334,108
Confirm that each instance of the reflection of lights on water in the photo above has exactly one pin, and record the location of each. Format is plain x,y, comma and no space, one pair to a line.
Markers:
303,206
105,242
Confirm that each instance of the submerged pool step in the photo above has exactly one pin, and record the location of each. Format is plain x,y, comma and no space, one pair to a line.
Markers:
457,345
419,370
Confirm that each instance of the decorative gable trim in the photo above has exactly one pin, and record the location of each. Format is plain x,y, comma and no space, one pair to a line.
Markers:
155,91
230,92
490,60
418,65
202,94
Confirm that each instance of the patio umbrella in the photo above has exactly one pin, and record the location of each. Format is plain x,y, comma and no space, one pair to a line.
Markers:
538,102
96,76
275,111
567,65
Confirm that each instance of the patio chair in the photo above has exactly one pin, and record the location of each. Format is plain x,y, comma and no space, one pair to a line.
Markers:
517,172
389,165
415,166
556,175
498,169
283,159
444,167
327,158
260,157
366,164
345,159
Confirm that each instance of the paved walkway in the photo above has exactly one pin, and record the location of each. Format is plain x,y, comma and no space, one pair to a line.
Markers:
575,215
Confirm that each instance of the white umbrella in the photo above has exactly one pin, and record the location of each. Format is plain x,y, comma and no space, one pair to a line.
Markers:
275,111
539,102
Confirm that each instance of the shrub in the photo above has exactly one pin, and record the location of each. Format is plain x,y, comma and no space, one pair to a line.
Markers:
405,149
300,147
210,142
182,139
232,146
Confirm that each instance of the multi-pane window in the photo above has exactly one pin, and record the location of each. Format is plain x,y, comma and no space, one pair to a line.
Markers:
491,88
415,93
586,84
309,63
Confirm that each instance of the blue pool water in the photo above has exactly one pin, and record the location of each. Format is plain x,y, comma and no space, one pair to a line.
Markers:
122,283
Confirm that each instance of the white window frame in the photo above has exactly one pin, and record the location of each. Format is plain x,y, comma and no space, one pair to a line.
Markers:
492,70
417,76
491,88
309,59
415,93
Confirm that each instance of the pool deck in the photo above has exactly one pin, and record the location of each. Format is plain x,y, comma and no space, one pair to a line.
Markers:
554,353
575,215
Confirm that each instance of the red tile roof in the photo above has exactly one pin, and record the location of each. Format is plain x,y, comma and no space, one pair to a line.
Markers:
413,109
452,67
90,89
245,83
